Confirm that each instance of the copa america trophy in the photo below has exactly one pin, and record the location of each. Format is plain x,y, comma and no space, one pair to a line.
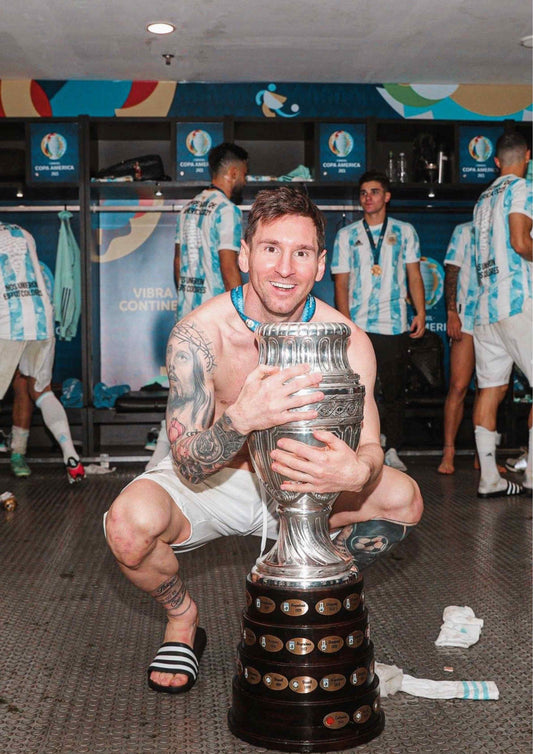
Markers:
305,660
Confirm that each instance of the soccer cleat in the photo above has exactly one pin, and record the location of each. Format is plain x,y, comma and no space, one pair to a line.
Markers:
517,464
393,460
75,470
19,467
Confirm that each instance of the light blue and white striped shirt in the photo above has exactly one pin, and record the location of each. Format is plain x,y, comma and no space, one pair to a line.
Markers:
504,276
25,308
378,303
208,223
460,253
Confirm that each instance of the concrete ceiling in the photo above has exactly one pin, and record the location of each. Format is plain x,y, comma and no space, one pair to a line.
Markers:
348,41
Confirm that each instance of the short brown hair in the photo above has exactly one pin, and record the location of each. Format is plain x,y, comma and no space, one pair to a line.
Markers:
271,204
375,175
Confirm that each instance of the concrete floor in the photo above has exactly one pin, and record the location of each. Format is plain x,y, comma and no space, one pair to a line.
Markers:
77,638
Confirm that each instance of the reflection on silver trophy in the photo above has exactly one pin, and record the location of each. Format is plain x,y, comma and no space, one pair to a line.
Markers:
304,555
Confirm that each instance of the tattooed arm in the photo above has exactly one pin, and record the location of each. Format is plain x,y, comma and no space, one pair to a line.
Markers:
453,322
199,447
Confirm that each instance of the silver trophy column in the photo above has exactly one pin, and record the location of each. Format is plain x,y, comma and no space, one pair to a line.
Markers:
305,663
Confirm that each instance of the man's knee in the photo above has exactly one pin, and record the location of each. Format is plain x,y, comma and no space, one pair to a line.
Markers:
133,526
402,499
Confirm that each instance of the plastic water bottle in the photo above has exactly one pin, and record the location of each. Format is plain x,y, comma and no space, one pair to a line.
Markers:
391,168
402,168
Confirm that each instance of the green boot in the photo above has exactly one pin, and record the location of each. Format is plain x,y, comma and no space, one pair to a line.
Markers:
19,467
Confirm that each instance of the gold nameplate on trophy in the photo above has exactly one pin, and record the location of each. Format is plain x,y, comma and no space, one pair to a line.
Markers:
252,675
328,606
299,646
352,601
376,270
249,637
271,643
333,682
294,607
265,604
303,684
336,720
362,714
330,644
355,639
359,676
275,681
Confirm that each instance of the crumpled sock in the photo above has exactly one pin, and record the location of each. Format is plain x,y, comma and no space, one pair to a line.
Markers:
478,690
461,628
390,679
393,679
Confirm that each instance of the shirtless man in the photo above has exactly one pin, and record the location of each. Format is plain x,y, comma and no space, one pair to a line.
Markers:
206,487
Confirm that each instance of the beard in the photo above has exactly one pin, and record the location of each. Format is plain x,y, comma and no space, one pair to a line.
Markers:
237,193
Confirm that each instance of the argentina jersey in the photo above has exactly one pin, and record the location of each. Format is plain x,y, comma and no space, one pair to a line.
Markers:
208,223
460,253
25,309
504,276
377,289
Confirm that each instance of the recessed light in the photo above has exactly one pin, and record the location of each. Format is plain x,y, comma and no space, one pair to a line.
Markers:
161,27
527,41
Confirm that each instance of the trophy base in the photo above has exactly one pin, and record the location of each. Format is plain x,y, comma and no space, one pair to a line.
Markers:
305,669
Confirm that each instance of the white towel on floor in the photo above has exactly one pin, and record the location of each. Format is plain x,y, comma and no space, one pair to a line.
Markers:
393,679
461,628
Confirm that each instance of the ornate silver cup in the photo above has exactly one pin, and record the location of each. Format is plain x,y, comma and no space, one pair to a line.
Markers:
304,555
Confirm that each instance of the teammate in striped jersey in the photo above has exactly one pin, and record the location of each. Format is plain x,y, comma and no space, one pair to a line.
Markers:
208,232
27,346
376,264
502,333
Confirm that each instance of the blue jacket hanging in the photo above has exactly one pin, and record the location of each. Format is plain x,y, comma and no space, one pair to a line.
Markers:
67,287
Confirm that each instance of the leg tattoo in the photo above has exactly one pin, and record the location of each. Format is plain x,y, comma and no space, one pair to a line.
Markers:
173,595
368,540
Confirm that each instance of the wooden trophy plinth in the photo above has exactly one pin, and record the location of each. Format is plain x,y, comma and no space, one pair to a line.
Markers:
305,669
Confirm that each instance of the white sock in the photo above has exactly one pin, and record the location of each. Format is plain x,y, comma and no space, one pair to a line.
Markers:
486,449
528,476
55,418
19,440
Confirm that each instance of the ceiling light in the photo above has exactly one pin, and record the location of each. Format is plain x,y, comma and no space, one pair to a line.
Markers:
527,41
20,193
161,27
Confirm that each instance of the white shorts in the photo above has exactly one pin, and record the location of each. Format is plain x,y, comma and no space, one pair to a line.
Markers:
34,358
501,344
228,502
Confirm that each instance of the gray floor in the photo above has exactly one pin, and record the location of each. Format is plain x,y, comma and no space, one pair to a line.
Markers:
76,637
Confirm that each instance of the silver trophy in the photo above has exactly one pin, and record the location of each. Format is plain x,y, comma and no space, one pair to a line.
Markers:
304,555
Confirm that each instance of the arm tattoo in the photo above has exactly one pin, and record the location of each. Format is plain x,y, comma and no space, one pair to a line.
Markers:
450,286
199,450
201,454
172,594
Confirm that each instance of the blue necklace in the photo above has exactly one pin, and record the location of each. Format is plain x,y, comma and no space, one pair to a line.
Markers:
237,299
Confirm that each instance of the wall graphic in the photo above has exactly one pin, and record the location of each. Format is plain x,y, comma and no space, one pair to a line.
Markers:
30,98
137,294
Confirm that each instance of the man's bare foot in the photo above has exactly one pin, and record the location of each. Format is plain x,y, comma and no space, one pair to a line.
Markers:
446,465
183,630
